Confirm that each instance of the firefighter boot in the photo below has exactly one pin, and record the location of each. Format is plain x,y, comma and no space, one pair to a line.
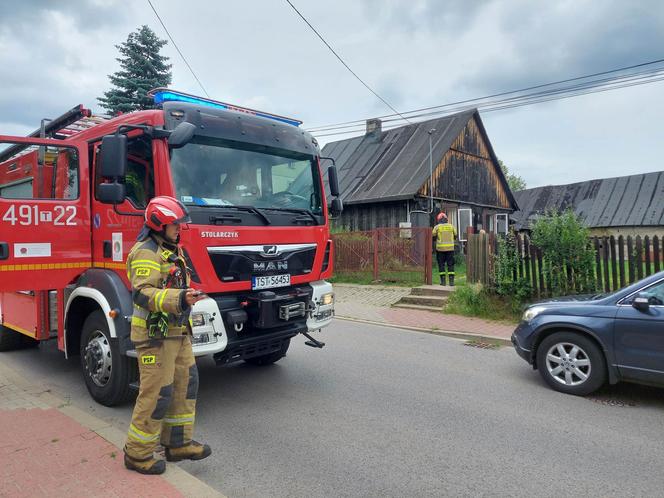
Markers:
149,466
443,280
191,451
451,280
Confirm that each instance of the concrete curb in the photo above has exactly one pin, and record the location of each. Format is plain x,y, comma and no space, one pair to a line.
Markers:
447,333
184,482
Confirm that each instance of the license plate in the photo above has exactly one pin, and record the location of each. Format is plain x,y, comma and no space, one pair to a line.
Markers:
270,282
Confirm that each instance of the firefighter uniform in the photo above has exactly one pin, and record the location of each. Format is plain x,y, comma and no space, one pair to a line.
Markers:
445,233
161,331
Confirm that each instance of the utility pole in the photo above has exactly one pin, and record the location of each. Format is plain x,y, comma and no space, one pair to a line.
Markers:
430,173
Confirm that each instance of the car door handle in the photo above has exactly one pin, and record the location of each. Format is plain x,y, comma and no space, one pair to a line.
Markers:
4,250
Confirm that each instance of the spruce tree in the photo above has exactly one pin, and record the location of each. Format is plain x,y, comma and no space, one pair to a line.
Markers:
142,69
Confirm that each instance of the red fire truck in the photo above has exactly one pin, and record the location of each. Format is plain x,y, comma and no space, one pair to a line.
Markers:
72,198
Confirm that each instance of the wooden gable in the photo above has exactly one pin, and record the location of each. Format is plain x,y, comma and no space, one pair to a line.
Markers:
469,171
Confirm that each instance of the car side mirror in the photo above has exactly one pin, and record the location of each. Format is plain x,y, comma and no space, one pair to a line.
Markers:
336,207
113,156
111,193
181,135
641,303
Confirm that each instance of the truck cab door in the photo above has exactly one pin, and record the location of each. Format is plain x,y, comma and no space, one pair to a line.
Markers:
45,238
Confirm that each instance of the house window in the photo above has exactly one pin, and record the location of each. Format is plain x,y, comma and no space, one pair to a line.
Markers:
465,221
501,223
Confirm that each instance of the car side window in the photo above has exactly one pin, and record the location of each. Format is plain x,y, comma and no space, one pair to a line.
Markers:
654,293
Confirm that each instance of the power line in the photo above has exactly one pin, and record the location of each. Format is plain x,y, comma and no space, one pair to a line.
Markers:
343,62
500,105
178,49
359,121
604,82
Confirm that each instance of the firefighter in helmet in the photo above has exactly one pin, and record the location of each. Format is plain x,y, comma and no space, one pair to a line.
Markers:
444,233
161,331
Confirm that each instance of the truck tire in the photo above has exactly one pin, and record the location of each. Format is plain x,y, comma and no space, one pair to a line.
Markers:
10,339
107,373
269,359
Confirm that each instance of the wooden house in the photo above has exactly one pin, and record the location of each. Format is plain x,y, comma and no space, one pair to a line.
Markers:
386,177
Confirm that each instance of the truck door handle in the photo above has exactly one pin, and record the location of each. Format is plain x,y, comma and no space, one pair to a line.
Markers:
4,250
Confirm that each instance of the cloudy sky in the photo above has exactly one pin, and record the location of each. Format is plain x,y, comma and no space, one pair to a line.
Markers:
415,53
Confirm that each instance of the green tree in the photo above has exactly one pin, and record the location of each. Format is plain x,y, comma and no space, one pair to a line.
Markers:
142,69
515,182
568,259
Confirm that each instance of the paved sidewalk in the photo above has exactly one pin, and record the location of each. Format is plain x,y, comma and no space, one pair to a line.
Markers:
373,303
50,448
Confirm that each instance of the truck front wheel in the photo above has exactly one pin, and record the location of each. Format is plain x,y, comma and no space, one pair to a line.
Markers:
106,371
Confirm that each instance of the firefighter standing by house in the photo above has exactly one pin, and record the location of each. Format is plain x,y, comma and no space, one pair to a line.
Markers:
444,233
161,331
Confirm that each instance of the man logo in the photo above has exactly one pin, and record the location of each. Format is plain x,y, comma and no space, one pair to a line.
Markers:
270,251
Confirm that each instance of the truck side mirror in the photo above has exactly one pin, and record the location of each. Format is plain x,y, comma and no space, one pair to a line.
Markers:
181,135
641,302
111,193
114,156
336,207
334,181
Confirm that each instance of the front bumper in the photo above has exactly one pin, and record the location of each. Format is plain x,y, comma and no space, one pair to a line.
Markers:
523,330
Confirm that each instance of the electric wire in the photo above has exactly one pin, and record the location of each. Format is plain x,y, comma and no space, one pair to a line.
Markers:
344,62
519,101
649,75
178,49
479,99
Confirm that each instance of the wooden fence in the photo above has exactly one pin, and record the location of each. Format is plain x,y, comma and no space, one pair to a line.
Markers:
619,261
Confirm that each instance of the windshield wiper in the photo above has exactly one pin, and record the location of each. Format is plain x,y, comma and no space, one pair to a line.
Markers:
308,212
250,209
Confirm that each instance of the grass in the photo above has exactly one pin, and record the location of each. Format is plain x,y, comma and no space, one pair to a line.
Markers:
405,278
475,301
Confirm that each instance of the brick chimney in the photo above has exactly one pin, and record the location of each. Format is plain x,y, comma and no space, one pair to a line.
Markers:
374,128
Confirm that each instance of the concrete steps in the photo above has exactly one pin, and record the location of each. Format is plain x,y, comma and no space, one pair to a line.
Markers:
432,290
426,297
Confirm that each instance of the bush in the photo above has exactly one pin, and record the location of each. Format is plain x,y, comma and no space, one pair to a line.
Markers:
477,300
506,262
568,259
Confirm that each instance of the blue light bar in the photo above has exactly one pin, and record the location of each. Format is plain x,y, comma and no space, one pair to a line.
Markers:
161,95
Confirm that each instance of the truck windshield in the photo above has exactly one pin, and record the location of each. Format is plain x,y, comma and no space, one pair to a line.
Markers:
211,172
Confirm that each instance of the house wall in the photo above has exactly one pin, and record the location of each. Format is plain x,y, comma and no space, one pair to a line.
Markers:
373,215
467,173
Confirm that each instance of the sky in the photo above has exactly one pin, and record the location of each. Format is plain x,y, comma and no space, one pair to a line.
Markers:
414,53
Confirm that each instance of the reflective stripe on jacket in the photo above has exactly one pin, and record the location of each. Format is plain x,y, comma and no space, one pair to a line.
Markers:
148,269
444,233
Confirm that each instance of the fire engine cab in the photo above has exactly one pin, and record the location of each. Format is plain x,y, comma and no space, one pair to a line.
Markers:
72,200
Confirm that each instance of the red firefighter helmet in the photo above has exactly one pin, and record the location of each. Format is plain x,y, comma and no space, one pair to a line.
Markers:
164,210
441,216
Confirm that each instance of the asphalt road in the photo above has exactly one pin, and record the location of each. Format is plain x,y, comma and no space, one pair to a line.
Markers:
387,412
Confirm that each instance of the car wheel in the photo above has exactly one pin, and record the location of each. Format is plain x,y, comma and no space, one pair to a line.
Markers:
269,359
571,363
107,373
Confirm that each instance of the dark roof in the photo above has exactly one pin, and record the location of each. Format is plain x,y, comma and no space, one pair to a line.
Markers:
395,164
635,200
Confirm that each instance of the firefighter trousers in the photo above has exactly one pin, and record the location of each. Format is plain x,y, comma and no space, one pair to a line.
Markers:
445,258
166,404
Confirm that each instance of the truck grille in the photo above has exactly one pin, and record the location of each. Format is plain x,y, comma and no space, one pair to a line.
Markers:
238,263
